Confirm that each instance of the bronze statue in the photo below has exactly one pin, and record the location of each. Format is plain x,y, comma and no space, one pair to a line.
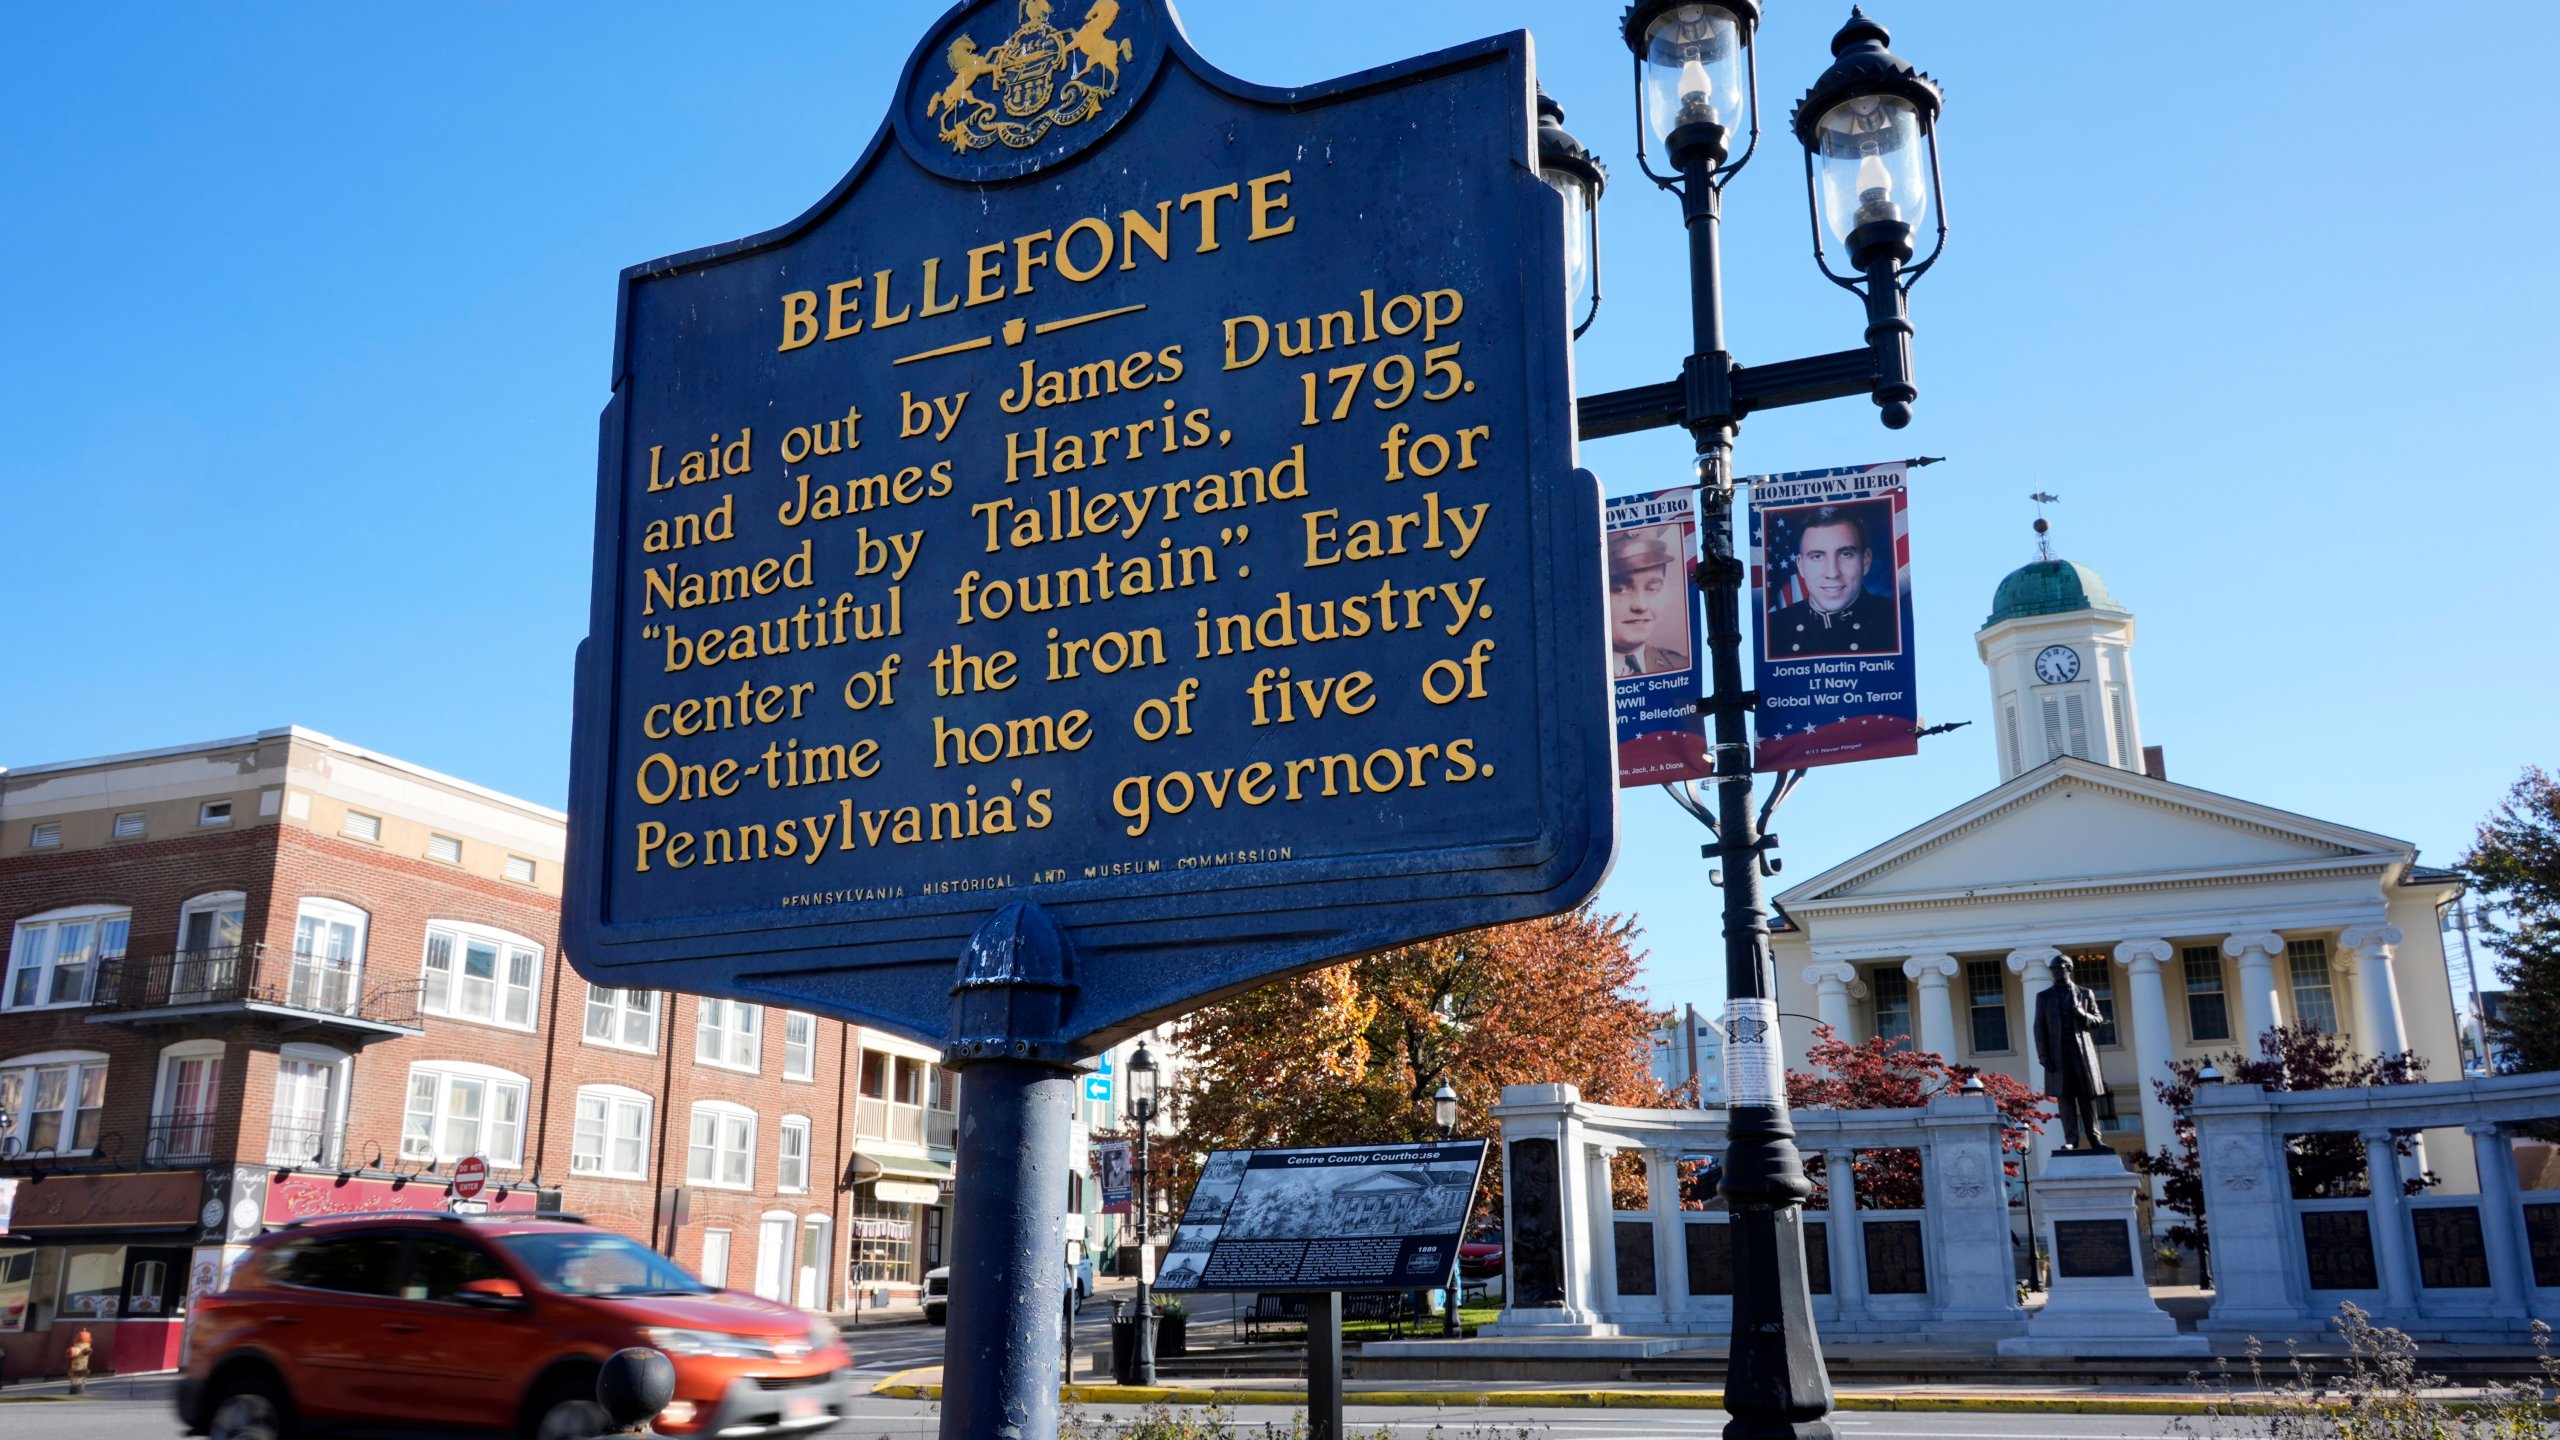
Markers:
2064,1046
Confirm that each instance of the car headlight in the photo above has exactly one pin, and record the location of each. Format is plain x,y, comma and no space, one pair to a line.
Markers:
709,1342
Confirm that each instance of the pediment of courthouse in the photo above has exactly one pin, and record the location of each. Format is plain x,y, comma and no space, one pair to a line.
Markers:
2074,845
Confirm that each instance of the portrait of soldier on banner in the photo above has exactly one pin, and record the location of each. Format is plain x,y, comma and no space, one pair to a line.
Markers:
1831,583
1648,601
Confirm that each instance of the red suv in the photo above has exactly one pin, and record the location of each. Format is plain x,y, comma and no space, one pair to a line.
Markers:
489,1324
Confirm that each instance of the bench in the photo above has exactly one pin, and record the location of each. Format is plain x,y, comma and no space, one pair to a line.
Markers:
1290,1311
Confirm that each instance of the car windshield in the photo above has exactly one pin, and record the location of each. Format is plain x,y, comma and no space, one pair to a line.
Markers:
599,1264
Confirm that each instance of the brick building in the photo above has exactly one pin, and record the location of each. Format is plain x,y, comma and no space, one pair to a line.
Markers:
279,975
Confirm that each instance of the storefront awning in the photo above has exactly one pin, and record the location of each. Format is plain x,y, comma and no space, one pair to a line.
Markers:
872,1165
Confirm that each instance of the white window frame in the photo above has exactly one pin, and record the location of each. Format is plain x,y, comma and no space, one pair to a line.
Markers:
45,835
807,1069
708,1022
24,955
787,1254
791,1125
436,841
313,970
618,1012
213,902
717,1112
213,812
341,1066
164,1096
460,936
612,1101
22,1120
494,1082
532,870
719,1281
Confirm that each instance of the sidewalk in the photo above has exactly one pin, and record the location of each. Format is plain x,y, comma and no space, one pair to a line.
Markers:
925,1384
145,1385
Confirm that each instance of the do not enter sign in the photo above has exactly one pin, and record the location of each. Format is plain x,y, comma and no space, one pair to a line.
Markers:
469,1174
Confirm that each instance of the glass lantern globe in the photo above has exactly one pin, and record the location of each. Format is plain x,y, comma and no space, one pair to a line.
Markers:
1696,69
1871,165
1568,167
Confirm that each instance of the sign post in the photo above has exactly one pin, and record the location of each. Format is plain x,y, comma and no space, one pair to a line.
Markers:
1118,540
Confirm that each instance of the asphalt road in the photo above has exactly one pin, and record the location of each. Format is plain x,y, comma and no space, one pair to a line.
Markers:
140,1411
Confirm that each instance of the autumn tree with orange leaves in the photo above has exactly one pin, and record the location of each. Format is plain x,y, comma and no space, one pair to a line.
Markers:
1352,1054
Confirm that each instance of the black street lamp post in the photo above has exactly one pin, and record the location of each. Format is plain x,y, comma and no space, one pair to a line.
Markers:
1444,1116
1142,1108
1869,128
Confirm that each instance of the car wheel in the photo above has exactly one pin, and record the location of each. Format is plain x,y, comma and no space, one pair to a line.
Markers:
251,1408
568,1416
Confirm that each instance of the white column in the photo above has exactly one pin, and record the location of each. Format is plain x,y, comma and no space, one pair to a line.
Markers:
1831,980
2501,1222
2149,1003
1604,1234
2258,1009
1670,1245
2394,1247
2033,965
1848,1246
1937,1011
2369,950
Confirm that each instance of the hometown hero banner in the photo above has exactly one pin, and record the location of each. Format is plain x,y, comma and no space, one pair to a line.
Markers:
1833,639
1655,638
1121,494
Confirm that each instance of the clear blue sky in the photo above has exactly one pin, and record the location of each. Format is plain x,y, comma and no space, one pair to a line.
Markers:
309,308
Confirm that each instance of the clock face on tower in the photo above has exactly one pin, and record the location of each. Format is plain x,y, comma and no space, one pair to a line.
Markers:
2057,664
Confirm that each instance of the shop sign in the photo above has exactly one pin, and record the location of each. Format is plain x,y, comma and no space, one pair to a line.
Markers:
906,1192
300,1197
94,1202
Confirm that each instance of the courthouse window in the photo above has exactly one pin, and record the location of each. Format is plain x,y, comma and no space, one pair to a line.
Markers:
1989,999
2315,1003
1892,990
2208,1009
2092,973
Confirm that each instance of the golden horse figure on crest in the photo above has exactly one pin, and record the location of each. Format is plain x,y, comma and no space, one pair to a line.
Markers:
1028,102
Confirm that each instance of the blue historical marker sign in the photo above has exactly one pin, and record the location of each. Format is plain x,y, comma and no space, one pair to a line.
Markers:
1130,492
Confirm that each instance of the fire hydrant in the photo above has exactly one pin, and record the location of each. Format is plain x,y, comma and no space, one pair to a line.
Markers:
78,1356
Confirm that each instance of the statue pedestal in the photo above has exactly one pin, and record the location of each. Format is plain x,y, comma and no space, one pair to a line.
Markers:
2098,1303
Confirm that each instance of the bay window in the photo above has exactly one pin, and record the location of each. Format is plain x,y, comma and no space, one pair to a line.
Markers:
54,957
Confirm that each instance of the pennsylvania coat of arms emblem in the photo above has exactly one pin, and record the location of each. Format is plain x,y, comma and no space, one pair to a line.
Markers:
1039,78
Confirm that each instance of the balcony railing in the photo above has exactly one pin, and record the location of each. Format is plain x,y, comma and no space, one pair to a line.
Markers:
876,1119
941,1129
179,1141
253,974
312,1144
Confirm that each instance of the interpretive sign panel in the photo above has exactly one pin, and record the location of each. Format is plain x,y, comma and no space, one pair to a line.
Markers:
1831,568
1346,1218
1132,492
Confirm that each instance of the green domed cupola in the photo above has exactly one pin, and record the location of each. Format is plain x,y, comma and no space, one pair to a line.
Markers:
2050,587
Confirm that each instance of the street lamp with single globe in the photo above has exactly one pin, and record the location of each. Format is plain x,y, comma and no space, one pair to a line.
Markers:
1869,128
1444,1111
1444,1115
1142,1108
1580,179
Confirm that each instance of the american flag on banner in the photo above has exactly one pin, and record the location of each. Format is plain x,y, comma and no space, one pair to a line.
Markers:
1833,649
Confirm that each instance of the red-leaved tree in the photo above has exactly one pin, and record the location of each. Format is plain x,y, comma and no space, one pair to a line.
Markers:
1886,1073
2322,1164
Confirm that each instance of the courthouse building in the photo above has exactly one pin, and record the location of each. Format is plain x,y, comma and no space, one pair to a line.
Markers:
278,976
2198,919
